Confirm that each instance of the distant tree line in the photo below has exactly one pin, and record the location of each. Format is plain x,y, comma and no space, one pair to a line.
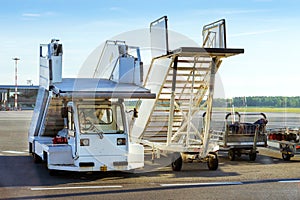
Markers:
259,101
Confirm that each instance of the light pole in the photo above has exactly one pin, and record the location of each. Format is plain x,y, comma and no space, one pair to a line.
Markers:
16,82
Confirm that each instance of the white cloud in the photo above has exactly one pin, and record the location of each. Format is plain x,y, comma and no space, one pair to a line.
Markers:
31,15
254,33
114,8
34,16
229,11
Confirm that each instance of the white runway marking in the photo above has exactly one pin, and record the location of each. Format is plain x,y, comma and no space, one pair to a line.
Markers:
289,181
14,152
76,187
201,184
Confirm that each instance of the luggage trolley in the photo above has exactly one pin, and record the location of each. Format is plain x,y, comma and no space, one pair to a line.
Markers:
286,140
241,137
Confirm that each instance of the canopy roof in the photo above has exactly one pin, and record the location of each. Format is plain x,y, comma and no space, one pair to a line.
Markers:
100,88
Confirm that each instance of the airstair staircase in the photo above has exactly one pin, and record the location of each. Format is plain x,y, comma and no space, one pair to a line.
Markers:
186,82
53,120
182,93
183,80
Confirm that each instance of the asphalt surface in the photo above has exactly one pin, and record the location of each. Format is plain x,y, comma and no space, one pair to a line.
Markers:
269,177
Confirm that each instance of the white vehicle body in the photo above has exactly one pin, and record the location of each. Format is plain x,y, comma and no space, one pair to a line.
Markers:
66,131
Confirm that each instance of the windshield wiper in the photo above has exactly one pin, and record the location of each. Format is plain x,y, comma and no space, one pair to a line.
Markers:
98,131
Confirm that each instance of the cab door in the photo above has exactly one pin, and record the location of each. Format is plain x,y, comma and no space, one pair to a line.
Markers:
72,140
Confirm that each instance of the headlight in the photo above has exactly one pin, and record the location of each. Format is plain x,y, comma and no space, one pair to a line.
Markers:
121,141
84,142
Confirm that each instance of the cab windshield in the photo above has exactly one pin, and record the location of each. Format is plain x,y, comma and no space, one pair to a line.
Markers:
100,119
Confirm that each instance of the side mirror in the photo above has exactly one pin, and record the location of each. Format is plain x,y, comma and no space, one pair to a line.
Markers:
64,112
135,113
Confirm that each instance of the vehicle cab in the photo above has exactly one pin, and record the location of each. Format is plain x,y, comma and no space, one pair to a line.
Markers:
98,134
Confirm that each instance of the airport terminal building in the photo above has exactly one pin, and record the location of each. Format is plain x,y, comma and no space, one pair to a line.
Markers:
25,99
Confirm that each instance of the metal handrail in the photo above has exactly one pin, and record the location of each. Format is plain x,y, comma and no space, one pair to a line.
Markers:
218,23
102,52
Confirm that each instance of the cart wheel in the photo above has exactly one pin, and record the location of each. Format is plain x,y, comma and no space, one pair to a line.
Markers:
286,157
176,162
213,161
252,156
231,155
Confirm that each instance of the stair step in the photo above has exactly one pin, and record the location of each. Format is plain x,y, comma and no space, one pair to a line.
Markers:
165,120
157,129
178,82
193,61
187,75
157,140
204,69
164,114
162,124
54,123
167,110
182,87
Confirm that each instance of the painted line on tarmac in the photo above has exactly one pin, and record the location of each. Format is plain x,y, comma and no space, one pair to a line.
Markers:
201,184
76,187
14,152
289,181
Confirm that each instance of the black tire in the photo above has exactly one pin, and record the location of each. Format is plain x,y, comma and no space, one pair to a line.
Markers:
176,162
239,154
286,157
213,162
231,155
53,172
36,158
252,156
30,148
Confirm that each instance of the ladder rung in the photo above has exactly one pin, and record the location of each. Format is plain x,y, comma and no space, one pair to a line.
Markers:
193,61
186,82
159,129
162,124
161,140
166,109
182,87
181,74
205,69
166,118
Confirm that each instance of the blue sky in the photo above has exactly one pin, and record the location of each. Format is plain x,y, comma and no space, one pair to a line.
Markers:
266,29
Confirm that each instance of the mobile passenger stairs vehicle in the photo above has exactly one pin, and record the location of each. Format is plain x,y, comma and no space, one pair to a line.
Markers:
286,140
80,124
183,80
242,134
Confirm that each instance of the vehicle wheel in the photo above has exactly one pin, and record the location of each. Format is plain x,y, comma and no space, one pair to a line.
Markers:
213,161
176,162
36,158
53,172
30,148
252,156
286,157
231,155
